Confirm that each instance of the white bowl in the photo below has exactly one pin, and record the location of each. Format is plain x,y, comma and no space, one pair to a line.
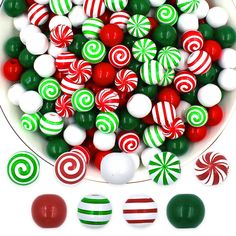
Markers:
38,145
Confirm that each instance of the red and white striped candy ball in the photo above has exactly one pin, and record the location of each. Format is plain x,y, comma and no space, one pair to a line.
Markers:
83,152
38,14
70,168
107,100
68,86
119,56
64,106
80,71
192,41
174,130
64,60
163,113
94,8
126,80
62,36
120,19
199,62
128,142
185,81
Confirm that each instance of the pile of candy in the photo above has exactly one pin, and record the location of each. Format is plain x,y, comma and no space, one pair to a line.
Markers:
101,79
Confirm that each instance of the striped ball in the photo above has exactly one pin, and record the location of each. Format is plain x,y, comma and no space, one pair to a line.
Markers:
64,106
120,19
107,122
128,142
60,7
83,152
167,14
94,8
38,14
185,82
91,28
168,78
116,5
68,86
30,122
63,61
153,136
197,116
188,6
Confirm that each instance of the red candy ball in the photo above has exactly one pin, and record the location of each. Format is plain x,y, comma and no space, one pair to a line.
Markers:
12,69
98,158
106,17
124,97
213,48
111,35
196,134
49,211
170,95
215,115
149,119
93,87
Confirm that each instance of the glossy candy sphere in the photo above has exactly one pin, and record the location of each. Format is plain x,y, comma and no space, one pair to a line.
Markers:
12,69
27,59
170,95
127,121
13,47
30,80
77,44
226,36
196,134
138,7
210,76
14,8
215,115
207,31
178,146
87,119
213,48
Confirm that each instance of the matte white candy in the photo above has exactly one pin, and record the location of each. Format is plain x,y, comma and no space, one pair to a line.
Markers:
74,135
147,154
135,158
77,16
227,79
44,65
217,17
59,20
14,93
27,32
228,58
104,142
202,9
55,51
187,22
20,22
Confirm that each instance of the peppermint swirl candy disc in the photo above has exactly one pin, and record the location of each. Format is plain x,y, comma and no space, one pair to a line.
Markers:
49,89
64,106
60,7
168,78
128,142
169,57
94,8
153,136
197,116
70,168
144,50
116,5
167,14
83,152
107,100
68,86
30,122
188,6
91,28
152,72
212,168
185,82
164,168
94,51
107,122
63,61
119,56
120,19
138,26
38,14
23,168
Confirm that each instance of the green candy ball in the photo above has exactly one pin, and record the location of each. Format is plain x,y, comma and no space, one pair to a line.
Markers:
140,128
148,90
128,122
27,59
177,146
86,120
210,76
48,106
30,80
185,211
191,97
134,65
207,31
129,41
141,7
226,36
13,47
77,45
14,8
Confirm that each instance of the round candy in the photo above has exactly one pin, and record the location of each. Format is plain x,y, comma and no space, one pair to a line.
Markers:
183,62
120,19
51,124
38,14
91,28
226,79
30,122
185,82
60,7
181,109
94,211
144,50
107,100
138,26
228,59
94,8
199,62
94,51
15,92
126,80
14,8
169,76
12,69
128,142
26,32
187,21
21,22
63,61
77,16
116,5
74,135
225,35
70,168
188,6
164,168
83,100
44,65
213,48
140,210
64,106
104,142
55,51
119,56
197,116
107,122
68,86
217,17
153,136
202,10
170,95
215,115
59,20
147,154
83,152
167,14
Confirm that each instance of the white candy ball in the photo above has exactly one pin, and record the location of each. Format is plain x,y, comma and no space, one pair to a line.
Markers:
147,154
20,22
117,168
139,105
135,158
217,17
30,102
43,2
202,9
77,16
59,20
213,99
182,109
187,22
104,142
27,32
44,65
228,58
227,79
55,51
78,2
37,44
157,3
74,135
14,93
183,62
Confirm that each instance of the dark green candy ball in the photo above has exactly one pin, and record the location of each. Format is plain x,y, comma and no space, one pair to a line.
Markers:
30,80
134,65
141,7
177,146
128,122
77,44
86,120
129,41
27,59
210,76
48,106
148,90
140,128
226,36
13,47
191,97
207,31
14,8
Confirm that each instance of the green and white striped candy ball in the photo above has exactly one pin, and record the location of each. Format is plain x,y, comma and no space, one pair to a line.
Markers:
169,57
30,122
153,136
49,89
167,14
138,26
23,168
94,211
152,72
168,78
144,50
51,124
107,122
116,5
60,7
91,28
188,6
197,116
83,100
94,51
